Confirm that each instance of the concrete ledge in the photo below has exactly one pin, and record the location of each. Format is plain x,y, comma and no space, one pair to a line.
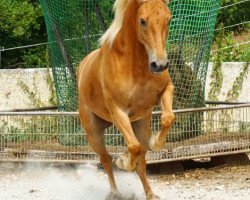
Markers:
13,96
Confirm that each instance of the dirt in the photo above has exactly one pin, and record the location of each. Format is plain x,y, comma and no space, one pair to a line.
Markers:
217,183
88,182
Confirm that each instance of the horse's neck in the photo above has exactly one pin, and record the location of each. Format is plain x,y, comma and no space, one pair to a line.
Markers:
126,41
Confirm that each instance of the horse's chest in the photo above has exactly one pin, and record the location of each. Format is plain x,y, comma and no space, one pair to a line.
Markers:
143,95
137,96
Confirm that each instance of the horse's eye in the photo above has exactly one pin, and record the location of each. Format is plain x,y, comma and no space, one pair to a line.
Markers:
143,22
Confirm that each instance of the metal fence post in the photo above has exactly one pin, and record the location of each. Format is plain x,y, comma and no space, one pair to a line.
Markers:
1,50
0,57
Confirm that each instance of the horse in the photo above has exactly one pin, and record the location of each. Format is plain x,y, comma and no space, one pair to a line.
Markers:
123,80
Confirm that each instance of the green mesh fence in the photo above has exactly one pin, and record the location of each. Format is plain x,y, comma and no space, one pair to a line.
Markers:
74,28
191,33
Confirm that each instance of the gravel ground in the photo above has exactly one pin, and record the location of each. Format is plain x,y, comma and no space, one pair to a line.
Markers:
43,182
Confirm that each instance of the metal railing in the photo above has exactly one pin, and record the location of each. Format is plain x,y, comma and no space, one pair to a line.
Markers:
58,137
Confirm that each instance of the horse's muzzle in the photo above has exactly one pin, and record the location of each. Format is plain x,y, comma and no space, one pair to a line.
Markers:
155,69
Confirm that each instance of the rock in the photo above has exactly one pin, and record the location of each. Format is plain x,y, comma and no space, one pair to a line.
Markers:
187,175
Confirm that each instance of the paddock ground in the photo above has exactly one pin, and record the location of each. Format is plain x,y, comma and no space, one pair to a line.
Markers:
223,178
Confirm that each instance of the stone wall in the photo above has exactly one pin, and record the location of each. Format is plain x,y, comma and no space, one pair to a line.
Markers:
231,71
26,88
32,88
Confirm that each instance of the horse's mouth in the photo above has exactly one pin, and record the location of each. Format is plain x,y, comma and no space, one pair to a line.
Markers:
157,71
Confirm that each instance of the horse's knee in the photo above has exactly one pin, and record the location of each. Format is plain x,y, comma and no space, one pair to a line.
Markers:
167,120
134,149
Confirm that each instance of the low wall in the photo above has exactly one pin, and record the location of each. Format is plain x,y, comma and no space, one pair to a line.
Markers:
26,88
230,71
32,88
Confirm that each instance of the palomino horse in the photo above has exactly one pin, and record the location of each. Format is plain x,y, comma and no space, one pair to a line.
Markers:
122,81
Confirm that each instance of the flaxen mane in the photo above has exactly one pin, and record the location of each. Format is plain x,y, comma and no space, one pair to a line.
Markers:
119,9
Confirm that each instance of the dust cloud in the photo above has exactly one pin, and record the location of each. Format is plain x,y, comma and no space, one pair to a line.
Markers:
86,182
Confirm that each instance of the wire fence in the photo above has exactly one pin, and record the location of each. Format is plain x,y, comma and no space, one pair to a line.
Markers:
56,136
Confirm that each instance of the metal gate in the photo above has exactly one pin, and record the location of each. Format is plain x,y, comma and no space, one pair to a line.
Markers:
56,136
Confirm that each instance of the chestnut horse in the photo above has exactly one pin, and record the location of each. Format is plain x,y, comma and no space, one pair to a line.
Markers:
122,81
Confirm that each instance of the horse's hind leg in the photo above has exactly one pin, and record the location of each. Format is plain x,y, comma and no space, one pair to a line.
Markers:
142,131
94,127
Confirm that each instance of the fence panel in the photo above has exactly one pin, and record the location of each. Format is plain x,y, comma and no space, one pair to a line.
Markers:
56,136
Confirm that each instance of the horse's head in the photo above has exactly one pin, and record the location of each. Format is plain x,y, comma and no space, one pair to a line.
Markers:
153,19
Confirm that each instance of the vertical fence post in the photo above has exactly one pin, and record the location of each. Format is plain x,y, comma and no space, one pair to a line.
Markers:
0,57
1,50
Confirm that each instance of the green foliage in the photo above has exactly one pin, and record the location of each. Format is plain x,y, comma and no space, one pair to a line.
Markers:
234,93
234,15
244,126
36,57
21,23
34,95
28,129
18,18
227,49
216,76
227,52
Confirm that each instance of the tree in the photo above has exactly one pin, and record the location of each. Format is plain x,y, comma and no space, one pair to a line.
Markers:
21,23
234,14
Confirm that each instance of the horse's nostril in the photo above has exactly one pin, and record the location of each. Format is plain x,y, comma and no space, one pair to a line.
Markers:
153,66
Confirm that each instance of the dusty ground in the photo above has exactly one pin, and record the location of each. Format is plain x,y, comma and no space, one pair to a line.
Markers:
86,182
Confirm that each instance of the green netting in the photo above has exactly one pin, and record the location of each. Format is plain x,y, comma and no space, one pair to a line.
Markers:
189,43
74,28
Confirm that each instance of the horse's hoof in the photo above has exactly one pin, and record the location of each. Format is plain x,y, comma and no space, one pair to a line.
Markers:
153,146
124,162
119,196
113,196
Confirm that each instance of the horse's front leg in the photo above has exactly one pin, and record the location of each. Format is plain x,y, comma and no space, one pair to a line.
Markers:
157,142
121,120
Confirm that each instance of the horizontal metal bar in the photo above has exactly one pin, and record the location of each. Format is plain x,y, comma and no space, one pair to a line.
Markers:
148,162
32,109
188,110
198,156
48,161
25,46
75,114
45,43
42,113
225,102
